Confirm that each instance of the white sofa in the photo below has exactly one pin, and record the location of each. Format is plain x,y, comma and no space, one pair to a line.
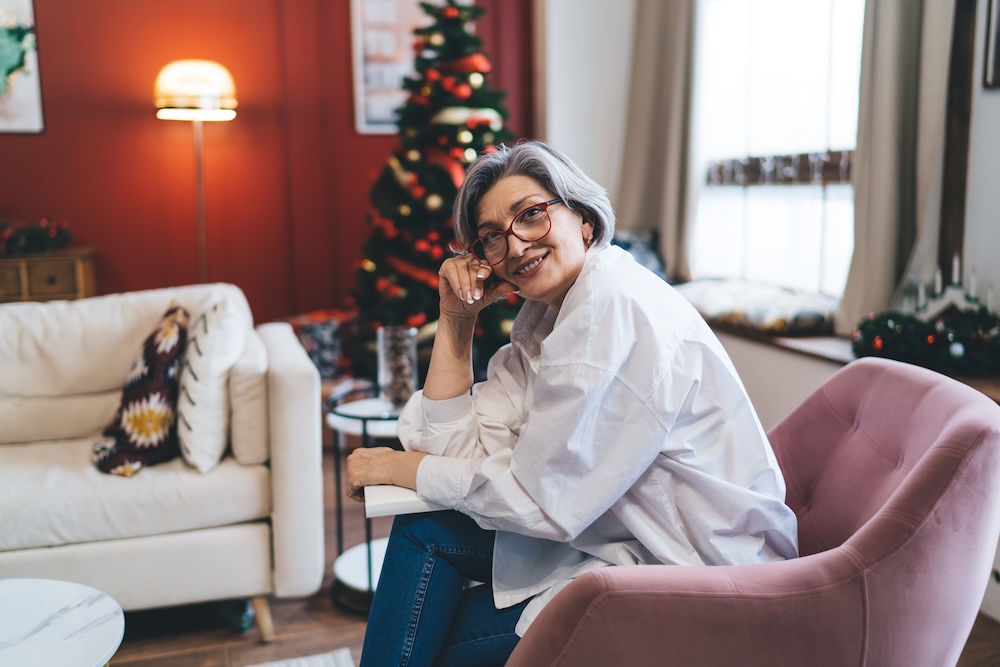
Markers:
171,534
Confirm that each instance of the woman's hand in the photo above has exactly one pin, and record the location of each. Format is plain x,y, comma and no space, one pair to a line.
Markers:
465,288
368,466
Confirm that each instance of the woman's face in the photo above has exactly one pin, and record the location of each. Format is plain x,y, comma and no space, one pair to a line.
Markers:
542,270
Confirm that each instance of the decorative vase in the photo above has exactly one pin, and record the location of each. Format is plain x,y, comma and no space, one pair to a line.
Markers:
397,363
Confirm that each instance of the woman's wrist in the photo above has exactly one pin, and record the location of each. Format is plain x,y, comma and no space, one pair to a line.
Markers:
403,471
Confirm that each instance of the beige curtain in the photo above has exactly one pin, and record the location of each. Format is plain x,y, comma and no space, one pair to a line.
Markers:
901,121
653,179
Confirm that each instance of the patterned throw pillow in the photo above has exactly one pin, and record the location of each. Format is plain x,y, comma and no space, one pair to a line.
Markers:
144,430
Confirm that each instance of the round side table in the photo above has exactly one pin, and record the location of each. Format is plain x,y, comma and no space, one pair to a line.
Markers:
51,622
355,572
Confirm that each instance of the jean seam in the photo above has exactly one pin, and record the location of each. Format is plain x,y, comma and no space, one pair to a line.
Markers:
425,576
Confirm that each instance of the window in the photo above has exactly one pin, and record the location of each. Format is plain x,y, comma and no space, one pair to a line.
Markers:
775,124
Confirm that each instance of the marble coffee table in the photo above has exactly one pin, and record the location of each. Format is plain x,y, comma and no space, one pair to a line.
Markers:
51,622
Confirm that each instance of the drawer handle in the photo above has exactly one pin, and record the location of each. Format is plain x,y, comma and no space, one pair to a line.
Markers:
51,279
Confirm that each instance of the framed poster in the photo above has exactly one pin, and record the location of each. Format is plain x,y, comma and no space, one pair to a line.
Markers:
20,87
991,73
382,43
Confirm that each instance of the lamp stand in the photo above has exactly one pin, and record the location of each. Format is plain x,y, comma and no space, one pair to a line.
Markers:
199,176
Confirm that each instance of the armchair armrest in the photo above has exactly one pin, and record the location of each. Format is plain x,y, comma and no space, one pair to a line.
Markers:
805,611
296,463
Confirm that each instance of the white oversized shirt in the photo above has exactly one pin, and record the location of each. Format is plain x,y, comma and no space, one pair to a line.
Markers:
614,431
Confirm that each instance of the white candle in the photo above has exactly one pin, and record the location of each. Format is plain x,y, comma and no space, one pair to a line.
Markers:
989,299
972,284
937,281
956,273
921,296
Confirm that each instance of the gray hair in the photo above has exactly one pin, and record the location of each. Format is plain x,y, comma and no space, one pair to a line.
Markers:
549,168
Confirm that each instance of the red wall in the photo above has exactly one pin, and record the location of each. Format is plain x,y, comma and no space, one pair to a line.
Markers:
286,183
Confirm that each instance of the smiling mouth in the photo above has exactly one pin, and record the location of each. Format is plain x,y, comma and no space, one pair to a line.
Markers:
529,266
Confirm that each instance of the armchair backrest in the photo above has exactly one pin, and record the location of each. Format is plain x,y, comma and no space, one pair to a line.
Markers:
878,438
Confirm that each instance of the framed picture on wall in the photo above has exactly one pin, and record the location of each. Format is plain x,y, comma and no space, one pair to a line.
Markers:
20,87
991,73
382,44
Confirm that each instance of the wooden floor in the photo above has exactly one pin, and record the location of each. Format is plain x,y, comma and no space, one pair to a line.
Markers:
198,636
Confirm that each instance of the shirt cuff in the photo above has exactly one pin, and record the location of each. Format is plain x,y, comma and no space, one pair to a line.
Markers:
440,479
447,410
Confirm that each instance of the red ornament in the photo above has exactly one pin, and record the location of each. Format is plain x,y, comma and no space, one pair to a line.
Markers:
416,320
448,83
383,284
422,245
418,191
462,91
930,339
511,299
436,252
433,236
477,62
877,343
432,75
450,13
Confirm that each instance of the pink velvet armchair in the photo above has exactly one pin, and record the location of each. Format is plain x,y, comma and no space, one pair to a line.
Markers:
894,473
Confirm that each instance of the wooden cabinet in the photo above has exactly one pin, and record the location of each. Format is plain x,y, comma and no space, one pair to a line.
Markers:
67,273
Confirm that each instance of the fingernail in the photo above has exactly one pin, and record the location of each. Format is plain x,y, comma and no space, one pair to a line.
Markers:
477,293
481,275
468,297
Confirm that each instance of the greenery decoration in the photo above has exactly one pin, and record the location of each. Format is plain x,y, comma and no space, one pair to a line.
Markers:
15,42
18,238
956,342
450,117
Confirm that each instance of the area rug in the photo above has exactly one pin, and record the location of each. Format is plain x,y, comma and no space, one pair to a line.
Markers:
339,658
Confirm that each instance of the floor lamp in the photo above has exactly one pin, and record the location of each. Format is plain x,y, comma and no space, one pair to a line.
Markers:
198,91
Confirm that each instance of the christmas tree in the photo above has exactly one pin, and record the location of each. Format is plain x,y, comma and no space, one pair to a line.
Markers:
449,118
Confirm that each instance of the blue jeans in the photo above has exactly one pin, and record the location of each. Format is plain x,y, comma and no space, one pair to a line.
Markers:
423,614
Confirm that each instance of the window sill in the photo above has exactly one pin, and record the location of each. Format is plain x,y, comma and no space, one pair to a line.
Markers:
837,350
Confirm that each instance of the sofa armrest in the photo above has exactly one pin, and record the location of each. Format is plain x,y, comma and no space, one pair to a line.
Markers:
296,463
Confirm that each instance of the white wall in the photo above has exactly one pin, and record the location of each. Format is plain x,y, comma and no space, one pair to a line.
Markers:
982,206
776,380
587,47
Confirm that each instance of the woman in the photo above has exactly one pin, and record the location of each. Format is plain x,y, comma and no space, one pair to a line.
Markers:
612,430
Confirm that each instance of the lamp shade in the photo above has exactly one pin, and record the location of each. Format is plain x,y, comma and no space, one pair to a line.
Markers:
195,90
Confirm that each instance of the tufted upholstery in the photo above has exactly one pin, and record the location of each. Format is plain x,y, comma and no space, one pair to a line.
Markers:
894,473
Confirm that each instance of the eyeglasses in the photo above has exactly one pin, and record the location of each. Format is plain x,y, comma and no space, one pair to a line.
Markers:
531,224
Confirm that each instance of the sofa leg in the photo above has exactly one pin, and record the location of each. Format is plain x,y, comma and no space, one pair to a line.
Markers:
262,610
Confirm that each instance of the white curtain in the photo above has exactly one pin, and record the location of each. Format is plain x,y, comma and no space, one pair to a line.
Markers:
898,163
653,182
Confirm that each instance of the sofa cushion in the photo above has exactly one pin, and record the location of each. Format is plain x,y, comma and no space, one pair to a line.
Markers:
51,495
24,417
75,350
249,403
216,340
144,430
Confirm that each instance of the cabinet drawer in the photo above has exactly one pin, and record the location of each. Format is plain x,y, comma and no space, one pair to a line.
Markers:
52,276
10,282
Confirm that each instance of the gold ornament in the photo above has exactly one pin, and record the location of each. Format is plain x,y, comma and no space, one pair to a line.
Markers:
437,39
425,91
433,202
488,138
465,137
476,79
470,154
368,265
413,155
404,209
